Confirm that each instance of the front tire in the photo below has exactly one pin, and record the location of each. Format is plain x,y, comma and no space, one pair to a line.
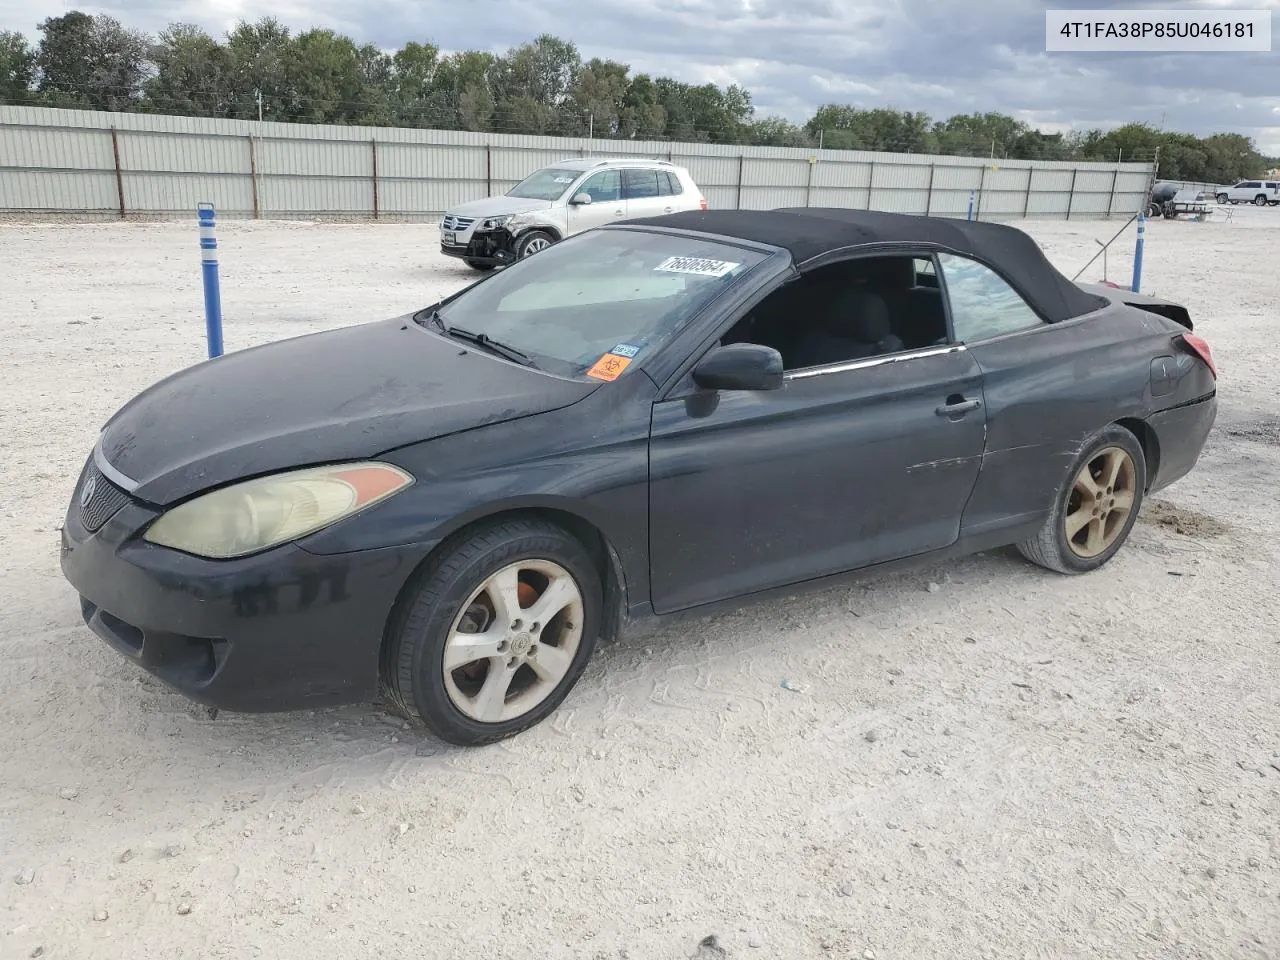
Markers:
496,634
1223,198
535,241
1095,511
482,267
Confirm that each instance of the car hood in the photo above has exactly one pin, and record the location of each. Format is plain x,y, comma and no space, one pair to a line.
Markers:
344,394
498,207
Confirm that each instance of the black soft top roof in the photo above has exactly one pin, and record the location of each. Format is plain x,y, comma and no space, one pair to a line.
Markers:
809,232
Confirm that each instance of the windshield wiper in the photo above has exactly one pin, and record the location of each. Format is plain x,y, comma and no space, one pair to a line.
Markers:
482,340
485,342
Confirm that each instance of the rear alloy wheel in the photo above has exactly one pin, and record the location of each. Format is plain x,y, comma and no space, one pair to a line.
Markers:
1093,516
1222,198
1260,200
498,633
535,241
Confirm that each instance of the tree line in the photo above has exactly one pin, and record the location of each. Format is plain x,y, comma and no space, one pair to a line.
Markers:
264,70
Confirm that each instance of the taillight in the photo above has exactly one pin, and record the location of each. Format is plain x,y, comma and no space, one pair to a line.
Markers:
1201,349
703,203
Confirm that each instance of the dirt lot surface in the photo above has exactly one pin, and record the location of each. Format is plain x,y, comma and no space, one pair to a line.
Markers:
979,759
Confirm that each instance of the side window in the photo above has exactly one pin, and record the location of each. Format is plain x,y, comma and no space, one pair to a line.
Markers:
982,304
604,187
640,184
673,183
1251,185
664,185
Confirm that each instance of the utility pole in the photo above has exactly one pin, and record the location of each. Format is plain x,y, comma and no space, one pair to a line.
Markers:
258,93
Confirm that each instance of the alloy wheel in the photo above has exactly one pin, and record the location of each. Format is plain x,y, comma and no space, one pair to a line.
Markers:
1099,503
514,641
535,245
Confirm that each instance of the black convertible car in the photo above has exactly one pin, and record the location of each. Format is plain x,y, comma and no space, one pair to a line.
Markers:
454,507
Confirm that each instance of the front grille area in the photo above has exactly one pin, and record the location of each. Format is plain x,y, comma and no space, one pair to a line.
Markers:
457,224
99,499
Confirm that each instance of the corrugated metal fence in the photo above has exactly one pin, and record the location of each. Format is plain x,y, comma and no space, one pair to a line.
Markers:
82,163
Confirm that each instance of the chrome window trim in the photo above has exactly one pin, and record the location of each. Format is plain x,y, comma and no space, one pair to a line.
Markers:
807,372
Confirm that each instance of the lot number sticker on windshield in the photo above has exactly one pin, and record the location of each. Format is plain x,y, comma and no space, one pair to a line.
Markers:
695,265
611,365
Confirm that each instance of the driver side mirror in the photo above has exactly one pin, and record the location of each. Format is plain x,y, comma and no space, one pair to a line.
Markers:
579,199
740,366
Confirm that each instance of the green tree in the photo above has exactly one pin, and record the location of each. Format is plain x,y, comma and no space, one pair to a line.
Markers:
643,115
377,72
262,55
194,75
778,132
91,62
845,127
599,96
325,79
417,95
17,68
461,87
533,86
978,135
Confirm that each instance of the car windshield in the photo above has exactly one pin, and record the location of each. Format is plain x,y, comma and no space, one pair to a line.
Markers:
589,305
548,184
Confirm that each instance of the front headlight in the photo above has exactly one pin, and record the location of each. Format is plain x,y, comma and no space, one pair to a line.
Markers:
252,516
496,223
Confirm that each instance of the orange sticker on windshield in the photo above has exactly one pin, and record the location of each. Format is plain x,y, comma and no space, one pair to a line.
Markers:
609,367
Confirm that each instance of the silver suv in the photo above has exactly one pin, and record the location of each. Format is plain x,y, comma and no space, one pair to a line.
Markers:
561,200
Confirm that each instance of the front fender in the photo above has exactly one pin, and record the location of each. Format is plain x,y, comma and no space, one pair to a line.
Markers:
589,460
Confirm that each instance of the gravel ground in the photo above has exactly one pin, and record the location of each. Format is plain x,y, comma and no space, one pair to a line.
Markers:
979,759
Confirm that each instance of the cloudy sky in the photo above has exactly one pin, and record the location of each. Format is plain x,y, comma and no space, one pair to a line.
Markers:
939,56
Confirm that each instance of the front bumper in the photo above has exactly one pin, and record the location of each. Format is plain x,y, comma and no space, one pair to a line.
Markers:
491,249
282,630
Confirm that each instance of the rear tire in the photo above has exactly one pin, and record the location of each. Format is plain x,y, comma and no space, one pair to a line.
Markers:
1260,200
516,607
1096,508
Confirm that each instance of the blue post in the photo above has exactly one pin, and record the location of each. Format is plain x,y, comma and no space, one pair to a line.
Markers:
1137,253
970,217
212,295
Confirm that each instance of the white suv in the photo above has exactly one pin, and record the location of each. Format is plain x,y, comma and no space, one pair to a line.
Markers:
1261,192
561,200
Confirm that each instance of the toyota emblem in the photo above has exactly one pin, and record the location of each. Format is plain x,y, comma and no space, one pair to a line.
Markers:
86,492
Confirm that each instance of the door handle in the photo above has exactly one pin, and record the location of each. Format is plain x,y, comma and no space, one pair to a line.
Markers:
957,405
666,210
